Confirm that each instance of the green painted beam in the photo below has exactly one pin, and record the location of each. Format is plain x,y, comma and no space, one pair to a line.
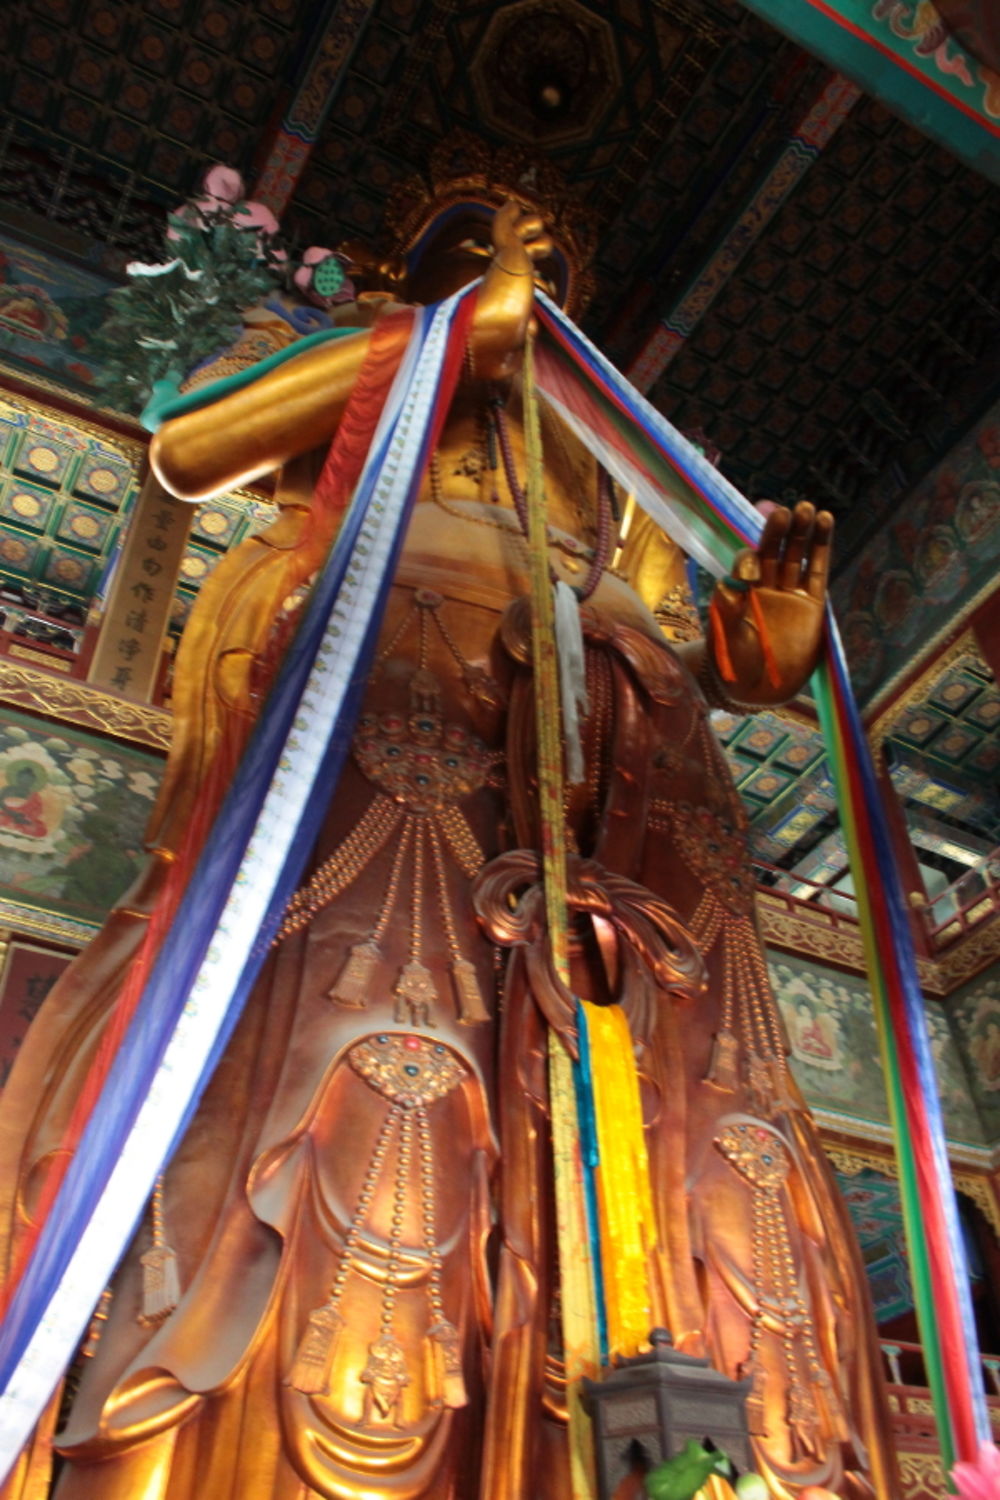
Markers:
903,55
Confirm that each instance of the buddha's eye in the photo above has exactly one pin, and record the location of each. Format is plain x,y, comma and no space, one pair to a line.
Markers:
472,243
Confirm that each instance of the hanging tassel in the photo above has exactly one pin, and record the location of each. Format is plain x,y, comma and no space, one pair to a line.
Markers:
755,1409
451,1383
354,981
386,1377
97,1322
425,692
720,646
801,1416
572,677
310,1370
773,673
468,995
723,1067
414,988
161,1289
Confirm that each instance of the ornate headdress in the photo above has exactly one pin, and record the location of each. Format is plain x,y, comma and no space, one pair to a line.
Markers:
464,169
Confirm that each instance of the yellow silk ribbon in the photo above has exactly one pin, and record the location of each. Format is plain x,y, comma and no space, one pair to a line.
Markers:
628,1220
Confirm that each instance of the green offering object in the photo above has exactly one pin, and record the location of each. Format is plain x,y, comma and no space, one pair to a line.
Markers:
682,1476
328,277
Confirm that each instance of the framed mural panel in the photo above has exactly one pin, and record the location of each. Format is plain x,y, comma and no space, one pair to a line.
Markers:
835,1051
29,971
73,810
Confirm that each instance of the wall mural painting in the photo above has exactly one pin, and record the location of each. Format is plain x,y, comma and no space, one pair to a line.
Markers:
29,972
50,311
73,808
975,1015
935,556
835,1053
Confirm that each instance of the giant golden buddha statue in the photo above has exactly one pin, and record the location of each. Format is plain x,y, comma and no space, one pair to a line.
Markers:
339,1331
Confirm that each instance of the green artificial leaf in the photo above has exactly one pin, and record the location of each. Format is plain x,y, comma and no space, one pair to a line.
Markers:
178,315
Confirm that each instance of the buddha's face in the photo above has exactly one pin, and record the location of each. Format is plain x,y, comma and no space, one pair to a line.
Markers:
456,249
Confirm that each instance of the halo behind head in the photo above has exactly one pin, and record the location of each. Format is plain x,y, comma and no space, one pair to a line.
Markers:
467,177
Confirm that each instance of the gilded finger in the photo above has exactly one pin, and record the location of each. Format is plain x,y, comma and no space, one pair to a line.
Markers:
770,544
818,567
797,545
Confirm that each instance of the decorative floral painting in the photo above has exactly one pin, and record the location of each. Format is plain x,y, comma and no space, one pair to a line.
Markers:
876,1213
73,808
939,35
49,312
835,1051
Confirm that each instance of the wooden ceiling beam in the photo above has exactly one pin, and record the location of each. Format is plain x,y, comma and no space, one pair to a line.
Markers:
317,88
835,100
910,59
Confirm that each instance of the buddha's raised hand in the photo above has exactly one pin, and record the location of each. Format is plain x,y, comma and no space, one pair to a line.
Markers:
503,312
769,609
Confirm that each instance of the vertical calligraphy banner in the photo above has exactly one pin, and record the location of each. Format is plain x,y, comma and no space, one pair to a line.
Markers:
28,973
127,658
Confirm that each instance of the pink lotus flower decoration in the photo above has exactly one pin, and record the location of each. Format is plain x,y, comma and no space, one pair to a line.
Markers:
254,215
222,192
979,1480
223,184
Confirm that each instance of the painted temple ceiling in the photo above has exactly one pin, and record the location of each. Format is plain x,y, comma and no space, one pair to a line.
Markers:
66,493
805,281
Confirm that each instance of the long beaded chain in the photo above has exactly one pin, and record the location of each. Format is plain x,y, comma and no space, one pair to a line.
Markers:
744,975
812,1412
385,1061
385,1374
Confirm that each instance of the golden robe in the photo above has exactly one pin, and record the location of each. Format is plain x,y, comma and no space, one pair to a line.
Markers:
304,1183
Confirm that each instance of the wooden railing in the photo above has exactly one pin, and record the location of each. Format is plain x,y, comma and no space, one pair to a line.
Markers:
803,896
968,901
904,1365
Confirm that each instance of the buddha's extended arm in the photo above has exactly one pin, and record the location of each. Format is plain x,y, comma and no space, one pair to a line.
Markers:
258,429
298,406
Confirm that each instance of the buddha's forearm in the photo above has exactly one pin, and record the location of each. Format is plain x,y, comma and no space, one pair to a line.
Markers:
500,323
256,430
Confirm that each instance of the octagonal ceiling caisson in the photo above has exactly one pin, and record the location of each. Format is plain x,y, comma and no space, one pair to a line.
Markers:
546,71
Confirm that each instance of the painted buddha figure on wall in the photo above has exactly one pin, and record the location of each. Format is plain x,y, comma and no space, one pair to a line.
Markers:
339,1332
